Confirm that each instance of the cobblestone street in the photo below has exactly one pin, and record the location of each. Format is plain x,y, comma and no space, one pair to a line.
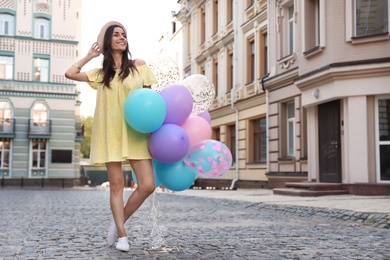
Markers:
72,224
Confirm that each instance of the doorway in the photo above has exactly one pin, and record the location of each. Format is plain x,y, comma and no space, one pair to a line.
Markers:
329,142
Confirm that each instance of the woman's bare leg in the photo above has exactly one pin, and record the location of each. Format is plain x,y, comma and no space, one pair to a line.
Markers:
143,170
115,177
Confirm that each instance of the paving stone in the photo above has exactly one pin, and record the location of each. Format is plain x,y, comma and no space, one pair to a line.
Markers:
72,224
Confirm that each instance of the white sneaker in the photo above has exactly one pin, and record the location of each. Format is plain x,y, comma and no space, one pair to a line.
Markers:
112,234
123,244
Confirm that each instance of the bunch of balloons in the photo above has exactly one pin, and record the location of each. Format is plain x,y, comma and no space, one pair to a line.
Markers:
180,140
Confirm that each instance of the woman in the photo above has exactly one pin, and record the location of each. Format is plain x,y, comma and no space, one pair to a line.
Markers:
113,142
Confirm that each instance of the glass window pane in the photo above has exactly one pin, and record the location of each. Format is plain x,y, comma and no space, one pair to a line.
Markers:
371,17
384,119
6,159
35,159
6,67
290,110
290,138
384,152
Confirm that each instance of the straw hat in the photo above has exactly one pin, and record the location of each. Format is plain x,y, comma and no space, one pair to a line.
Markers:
100,38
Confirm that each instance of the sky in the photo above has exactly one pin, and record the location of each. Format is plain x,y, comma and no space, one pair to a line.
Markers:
145,21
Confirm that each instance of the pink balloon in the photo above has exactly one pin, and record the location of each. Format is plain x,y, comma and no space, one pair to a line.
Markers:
197,129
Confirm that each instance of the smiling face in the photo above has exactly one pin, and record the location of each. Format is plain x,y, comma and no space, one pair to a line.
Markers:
118,39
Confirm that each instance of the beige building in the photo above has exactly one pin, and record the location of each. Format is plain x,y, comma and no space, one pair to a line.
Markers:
311,102
227,42
329,93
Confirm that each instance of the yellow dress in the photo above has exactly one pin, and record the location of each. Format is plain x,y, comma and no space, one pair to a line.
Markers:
112,139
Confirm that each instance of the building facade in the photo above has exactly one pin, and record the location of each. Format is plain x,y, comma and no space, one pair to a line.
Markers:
40,128
226,40
309,102
329,90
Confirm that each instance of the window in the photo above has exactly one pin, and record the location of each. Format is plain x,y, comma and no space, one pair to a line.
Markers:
215,16
5,117
229,11
202,26
6,67
290,128
249,3
251,50
217,134
312,24
215,76
5,146
39,116
259,128
263,54
384,139
41,70
42,28
371,17
7,24
61,156
232,141
229,74
290,31
38,154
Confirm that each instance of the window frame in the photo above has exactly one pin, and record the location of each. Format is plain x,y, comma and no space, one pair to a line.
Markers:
350,26
7,65
378,141
41,28
254,157
7,22
46,70
290,130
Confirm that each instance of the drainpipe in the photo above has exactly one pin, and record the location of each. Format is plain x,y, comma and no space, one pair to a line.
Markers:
235,85
266,117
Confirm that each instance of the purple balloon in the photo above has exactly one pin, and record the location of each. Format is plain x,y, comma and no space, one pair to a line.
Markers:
206,115
178,102
169,144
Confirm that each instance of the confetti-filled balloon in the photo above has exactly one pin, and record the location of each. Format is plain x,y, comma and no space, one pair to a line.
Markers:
209,159
166,71
202,91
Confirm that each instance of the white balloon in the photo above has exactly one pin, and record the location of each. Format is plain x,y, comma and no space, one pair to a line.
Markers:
202,91
166,71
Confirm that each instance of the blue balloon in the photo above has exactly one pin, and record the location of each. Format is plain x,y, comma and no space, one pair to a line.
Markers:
145,110
175,176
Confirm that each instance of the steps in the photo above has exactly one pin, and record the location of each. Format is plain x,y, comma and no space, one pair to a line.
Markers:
310,189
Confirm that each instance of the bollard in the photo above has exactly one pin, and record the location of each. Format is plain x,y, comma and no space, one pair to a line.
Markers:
63,183
21,183
42,183
2,182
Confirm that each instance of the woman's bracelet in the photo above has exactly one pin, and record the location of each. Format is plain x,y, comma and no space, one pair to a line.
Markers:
77,66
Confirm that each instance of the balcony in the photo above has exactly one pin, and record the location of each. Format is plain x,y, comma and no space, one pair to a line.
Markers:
79,132
7,128
39,129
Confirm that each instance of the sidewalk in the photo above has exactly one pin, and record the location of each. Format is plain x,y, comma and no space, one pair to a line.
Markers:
373,204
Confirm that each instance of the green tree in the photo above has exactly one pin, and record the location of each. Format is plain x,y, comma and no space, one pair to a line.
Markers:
86,143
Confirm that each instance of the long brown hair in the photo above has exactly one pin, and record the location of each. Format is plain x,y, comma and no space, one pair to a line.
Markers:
127,65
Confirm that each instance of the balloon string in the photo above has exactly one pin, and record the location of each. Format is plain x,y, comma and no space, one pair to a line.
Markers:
157,233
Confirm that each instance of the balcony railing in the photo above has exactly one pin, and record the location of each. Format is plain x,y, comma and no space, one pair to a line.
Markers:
7,128
39,129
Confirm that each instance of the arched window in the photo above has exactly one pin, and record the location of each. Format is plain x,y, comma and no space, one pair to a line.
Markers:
39,114
7,22
41,28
